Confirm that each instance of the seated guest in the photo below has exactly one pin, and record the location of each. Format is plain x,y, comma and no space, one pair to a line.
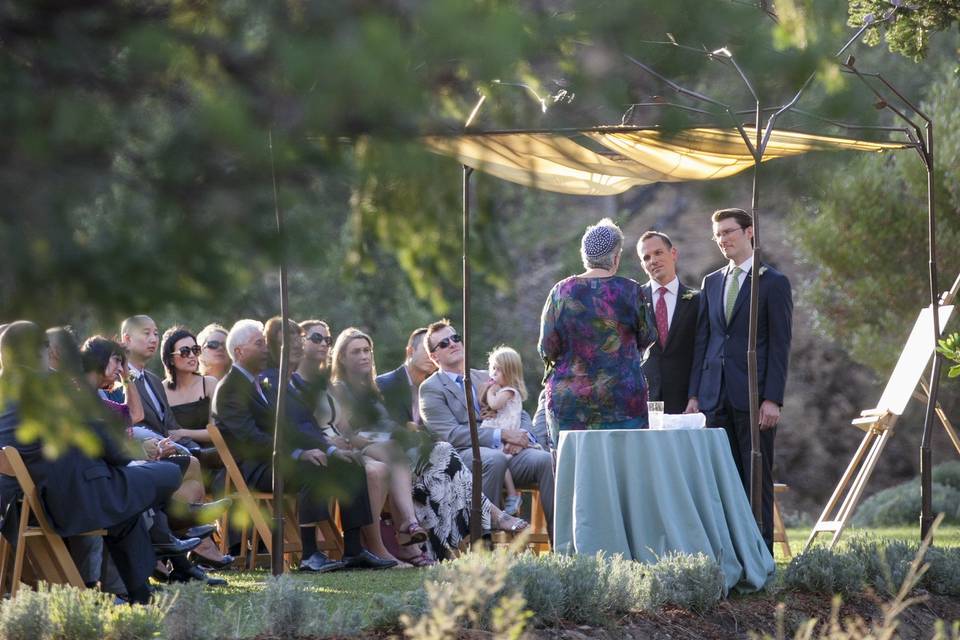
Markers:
81,493
373,432
104,362
443,406
400,388
214,360
245,415
139,335
187,392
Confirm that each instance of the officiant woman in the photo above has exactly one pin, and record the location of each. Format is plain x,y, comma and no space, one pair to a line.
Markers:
593,330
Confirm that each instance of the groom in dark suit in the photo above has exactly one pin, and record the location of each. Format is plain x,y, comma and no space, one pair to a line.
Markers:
667,362
719,384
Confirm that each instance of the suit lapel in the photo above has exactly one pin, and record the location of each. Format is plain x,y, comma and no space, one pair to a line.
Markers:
679,310
145,398
451,388
714,295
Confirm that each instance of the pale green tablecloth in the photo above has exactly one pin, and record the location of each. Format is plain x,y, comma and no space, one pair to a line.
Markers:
642,493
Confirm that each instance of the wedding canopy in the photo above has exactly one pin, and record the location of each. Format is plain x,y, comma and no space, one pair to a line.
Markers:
610,160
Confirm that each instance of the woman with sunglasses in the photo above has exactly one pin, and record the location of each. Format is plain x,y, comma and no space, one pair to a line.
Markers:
188,391
214,359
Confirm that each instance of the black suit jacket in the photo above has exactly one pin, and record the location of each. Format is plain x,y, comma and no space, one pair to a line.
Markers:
395,388
246,421
667,369
151,418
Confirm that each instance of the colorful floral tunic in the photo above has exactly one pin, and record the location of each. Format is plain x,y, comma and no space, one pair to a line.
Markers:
592,334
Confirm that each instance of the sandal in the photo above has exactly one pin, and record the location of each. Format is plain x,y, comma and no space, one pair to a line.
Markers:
412,534
422,560
508,523
512,504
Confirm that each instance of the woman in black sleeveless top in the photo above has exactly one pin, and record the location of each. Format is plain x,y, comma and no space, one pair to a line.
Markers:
188,392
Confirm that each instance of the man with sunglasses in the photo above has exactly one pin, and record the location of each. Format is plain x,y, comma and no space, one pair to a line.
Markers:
443,408
718,381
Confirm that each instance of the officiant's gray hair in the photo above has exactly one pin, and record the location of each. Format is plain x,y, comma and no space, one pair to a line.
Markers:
601,244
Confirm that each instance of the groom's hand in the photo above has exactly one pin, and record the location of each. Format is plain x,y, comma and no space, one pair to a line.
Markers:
769,414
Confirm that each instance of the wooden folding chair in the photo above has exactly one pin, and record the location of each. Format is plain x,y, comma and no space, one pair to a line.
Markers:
538,539
258,506
39,543
780,531
878,422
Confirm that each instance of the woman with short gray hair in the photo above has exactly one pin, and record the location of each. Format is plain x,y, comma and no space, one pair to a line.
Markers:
593,330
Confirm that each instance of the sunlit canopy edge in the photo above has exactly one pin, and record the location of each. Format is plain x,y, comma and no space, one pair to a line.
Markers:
620,159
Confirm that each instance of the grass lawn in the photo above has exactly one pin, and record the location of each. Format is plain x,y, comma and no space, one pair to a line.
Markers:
355,590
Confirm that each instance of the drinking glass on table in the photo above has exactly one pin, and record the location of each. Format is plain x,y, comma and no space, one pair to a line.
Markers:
655,414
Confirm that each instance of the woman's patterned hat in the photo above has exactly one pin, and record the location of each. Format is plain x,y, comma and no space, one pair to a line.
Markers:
599,241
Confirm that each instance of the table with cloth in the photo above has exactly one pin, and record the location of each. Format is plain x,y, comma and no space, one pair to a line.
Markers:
643,493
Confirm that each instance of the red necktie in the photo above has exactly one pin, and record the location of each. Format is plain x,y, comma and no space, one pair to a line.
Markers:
660,311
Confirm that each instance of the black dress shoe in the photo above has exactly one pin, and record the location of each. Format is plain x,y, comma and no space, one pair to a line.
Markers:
318,562
366,560
175,547
200,531
209,511
199,560
195,573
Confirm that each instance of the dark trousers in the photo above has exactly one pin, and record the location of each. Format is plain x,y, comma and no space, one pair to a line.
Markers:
737,425
316,485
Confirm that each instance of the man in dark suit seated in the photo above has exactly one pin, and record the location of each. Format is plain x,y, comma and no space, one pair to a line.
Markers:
719,383
245,415
79,493
667,362
401,387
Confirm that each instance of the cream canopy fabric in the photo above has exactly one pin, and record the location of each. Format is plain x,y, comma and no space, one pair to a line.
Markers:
611,162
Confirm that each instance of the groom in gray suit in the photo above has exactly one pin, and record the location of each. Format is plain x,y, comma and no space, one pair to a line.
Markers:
443,407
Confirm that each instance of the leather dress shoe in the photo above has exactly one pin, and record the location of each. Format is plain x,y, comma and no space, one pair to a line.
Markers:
200,531
209,511
207,563
195,573
367,560
175,547
318,562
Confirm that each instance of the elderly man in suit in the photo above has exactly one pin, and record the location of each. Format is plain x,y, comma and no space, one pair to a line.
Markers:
82,493
719,383
667,363
401,387
245,415
443,407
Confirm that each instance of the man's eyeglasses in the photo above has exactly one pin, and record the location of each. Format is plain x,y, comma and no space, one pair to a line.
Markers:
720,235
214,344
316,338
186,351
446,342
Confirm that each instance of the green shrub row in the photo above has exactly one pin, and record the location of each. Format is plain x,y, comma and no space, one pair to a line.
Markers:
868,562
900,505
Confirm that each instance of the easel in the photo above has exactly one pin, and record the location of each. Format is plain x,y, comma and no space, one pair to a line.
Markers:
879,421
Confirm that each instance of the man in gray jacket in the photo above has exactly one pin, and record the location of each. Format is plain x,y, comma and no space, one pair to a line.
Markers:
443,408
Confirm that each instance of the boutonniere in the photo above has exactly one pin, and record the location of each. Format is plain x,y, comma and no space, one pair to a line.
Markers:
265,384
763,269
688,294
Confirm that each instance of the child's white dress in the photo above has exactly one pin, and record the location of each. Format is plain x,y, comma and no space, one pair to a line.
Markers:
509,416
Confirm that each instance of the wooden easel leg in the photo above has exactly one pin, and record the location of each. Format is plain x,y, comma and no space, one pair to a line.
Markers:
841,489
853,498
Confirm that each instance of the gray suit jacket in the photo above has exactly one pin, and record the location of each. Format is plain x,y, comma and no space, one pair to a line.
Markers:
151,418
443,408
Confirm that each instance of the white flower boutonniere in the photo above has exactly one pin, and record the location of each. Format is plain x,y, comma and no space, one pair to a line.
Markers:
763,269
265,384
688,294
